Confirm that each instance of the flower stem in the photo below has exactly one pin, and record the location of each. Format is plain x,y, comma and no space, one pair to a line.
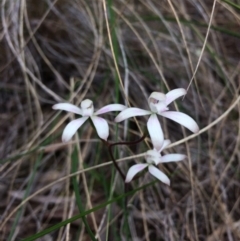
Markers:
114,161
121,143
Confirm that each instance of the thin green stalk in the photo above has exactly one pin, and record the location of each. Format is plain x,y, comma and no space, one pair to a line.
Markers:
126,227
232,4
29,185
83,214
109,213
35,149
77,194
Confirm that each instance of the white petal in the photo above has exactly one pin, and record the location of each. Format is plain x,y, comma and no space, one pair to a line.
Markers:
130,112
174,94
134,170
172,158
155,131
111,107
182,119
68,107
165,144
71,128
101,126
159,174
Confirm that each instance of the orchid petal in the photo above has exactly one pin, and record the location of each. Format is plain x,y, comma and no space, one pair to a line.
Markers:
71,128
174,94
130,112
101,126
68,107
182,119
172,158
134,170
111,107
159,174
165,144
155,131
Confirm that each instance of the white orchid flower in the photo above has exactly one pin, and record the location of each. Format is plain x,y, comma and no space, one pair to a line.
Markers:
158,103
87,111
153,157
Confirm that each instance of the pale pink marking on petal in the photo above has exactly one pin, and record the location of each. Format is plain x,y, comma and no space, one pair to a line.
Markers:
68,107
134,170
172,158
174,94
165,144
155,131
130,112
182,119
111,107
159,174
101,126
71,128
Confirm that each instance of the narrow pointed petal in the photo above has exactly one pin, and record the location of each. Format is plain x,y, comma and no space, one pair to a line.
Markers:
134,170
71,128
155,131
159,175
68,107
182,119
130,112
101,126
165,144
174,94
172,158
111,107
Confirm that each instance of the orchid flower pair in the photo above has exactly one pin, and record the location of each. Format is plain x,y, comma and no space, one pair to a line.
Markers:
158,103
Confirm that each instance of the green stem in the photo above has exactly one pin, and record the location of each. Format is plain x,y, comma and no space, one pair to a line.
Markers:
28,189
81,215
77,193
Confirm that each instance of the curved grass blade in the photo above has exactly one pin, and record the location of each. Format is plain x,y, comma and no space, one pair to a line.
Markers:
70,220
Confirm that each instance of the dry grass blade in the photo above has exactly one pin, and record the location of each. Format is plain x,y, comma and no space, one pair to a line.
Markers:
66,51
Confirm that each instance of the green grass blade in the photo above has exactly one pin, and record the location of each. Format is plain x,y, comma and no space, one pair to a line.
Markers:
28,188
77,194
232,4
35,149
70,220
